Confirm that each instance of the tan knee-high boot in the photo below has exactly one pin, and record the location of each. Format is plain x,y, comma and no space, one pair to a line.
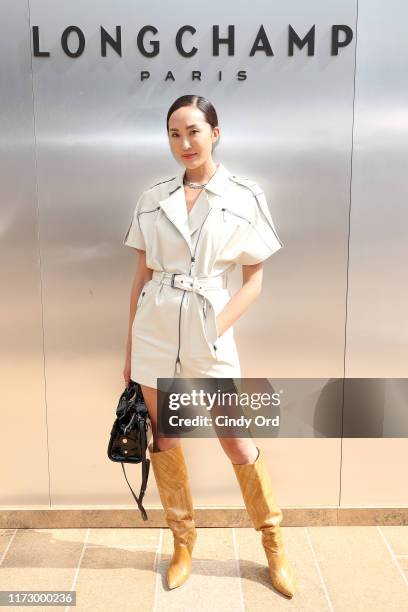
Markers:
266,516
171,476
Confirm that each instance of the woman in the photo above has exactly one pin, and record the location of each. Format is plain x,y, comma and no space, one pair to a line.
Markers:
190,231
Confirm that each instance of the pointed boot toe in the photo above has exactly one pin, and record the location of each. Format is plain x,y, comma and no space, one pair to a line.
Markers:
279,568
179,567
281,576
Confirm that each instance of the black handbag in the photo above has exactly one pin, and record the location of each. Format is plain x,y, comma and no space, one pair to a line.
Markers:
128,437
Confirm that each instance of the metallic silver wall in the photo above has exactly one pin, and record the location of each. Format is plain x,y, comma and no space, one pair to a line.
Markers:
326,138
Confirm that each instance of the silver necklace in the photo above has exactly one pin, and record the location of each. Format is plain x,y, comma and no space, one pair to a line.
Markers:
196,185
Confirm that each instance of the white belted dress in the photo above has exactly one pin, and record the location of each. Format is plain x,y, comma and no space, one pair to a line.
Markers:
174,332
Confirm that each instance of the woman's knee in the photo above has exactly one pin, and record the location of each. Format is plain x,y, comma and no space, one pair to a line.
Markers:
239,450
162,444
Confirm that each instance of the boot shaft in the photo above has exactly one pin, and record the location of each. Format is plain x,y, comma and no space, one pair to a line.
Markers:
171,475
258,494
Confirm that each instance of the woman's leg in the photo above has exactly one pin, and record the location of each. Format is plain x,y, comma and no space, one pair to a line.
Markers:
171,476
256,488
239,450
150,397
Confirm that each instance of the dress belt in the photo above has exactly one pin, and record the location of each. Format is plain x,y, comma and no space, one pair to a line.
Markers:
195,284
203,286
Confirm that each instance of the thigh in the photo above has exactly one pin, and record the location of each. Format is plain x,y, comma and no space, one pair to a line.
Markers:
150,398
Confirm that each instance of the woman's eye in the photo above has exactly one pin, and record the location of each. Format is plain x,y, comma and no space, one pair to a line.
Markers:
192,132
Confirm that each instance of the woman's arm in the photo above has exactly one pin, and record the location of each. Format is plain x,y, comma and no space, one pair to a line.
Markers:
241,300
142,275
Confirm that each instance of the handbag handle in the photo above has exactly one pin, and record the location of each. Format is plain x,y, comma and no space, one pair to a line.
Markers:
145,476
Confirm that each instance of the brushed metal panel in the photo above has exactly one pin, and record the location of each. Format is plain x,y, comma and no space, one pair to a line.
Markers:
377,325
377,328
101,139
24,474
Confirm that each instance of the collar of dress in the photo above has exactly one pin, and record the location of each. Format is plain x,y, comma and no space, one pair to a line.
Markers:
175,207
217,183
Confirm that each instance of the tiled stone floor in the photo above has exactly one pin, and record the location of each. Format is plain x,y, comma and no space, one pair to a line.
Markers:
338,569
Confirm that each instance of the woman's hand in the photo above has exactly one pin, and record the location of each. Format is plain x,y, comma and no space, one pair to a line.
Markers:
220,330
240,301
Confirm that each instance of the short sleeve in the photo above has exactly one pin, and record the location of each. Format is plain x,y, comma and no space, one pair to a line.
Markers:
134,236
262,240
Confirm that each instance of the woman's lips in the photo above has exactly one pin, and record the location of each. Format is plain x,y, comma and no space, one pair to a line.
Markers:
189,156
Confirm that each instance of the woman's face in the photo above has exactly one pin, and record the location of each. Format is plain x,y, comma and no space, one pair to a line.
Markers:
191,137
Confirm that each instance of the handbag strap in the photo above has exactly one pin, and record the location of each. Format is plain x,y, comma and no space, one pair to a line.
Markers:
145,477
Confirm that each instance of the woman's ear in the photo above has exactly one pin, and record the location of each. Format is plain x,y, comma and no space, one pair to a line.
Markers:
215,136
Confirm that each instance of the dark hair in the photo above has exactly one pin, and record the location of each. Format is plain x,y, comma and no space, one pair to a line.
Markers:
192,100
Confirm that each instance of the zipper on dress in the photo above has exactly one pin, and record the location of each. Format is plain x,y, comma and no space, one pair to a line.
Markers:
193,259
198,238
178,363
234,213
192,264
148,211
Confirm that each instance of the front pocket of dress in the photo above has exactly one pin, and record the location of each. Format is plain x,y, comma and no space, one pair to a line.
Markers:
142,321
138,306
214,350
142,295
141,298
210,328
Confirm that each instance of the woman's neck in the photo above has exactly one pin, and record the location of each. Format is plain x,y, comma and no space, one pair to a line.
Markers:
202,174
